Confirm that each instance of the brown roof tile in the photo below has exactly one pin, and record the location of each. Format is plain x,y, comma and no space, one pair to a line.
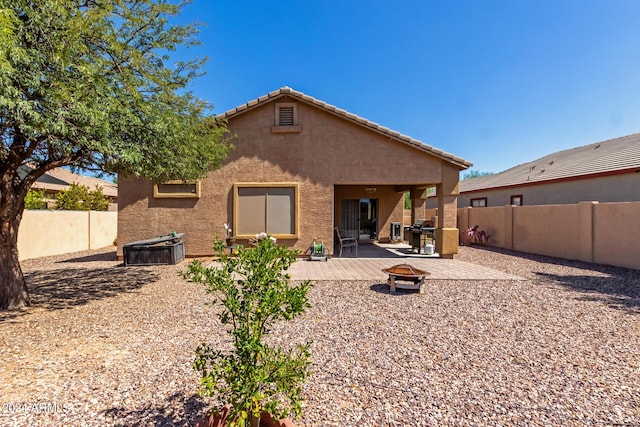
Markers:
60,179
610,156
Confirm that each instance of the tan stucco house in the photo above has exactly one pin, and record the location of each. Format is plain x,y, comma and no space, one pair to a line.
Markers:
300,168
606,171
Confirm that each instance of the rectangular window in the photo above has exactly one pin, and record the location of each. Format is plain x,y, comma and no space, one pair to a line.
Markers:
516,200
480,202
266,207
177,190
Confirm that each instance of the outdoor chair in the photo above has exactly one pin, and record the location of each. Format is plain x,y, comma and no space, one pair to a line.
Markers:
346,242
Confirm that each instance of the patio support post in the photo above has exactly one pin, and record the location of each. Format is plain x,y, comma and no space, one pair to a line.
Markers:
447,234
418,203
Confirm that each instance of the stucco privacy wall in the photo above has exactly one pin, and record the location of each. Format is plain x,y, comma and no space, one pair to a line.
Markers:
327,153
603,233
45,233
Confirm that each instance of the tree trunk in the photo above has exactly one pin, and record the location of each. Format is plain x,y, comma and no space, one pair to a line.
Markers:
13,287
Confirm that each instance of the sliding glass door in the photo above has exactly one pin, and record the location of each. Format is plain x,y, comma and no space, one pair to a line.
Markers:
359,218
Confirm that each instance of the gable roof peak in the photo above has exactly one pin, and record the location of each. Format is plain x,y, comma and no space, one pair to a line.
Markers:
332,109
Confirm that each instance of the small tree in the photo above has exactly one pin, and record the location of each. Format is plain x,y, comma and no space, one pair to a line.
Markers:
35,200
97,200
73,199
254,291
92,85
79,198
475,174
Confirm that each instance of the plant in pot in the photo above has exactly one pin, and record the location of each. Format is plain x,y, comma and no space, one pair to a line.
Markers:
259,383
230,240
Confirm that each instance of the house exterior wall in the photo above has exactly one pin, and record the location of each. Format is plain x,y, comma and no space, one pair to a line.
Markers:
610,188
327,154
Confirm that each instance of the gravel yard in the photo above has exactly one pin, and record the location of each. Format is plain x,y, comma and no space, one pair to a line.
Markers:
108,345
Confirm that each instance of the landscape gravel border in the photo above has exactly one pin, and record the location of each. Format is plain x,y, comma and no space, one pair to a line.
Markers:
108,345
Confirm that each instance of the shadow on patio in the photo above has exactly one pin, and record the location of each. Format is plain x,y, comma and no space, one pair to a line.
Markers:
383,250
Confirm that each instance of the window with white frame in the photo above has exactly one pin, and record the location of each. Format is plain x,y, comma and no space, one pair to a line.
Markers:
480,202
266,207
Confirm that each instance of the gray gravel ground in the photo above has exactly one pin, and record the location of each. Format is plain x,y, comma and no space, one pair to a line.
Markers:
108,345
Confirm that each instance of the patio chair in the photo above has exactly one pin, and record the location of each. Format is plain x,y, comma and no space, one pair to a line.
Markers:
346,242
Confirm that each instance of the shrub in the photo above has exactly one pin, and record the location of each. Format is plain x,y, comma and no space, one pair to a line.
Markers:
254,291
79,198
475,236
35,200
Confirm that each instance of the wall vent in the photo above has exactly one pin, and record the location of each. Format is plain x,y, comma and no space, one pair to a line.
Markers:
286,116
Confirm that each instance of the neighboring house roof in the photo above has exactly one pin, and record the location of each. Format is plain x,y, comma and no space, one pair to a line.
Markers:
397,136
619,155
60,179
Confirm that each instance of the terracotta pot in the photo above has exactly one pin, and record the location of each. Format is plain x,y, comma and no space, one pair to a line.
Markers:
266,420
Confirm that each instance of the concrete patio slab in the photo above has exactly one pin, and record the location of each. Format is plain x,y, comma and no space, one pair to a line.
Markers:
371,269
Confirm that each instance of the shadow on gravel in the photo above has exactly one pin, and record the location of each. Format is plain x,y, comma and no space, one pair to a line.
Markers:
104,256
176,410
383,288
620,291
69,287
617,287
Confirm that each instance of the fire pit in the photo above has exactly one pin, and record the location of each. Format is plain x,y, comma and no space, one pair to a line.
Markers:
411,277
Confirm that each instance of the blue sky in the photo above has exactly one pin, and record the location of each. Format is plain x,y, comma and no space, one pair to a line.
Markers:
498,83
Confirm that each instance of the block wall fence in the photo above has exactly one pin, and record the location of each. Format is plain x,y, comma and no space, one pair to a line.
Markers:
602,233
46,233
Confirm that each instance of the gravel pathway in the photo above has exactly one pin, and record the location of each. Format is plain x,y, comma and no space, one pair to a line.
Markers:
108,345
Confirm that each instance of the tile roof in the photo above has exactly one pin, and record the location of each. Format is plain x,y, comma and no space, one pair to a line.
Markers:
60,179
614,155
286,91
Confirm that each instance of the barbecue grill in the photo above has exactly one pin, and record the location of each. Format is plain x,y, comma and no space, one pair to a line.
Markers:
421,231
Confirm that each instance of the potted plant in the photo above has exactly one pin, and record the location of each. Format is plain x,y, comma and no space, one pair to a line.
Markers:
230,240
255,380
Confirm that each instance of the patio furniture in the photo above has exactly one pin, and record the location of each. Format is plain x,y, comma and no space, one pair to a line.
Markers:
406,273
162,250
346,242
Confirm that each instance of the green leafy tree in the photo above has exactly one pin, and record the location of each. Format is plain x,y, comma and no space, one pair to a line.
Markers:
73,199
254,291
475,174
91,85
35,200
79,198
97,201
